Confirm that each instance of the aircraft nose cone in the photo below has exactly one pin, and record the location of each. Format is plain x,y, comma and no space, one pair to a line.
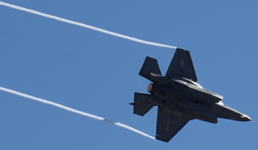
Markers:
245,118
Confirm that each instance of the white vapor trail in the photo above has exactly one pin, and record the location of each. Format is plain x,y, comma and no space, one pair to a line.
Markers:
76,111
85,26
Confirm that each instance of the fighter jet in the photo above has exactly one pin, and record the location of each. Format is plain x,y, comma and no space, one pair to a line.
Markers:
179,97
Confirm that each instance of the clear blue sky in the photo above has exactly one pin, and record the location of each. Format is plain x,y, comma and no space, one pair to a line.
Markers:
98,73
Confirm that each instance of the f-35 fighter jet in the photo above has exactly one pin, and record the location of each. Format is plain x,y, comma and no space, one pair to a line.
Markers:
179,97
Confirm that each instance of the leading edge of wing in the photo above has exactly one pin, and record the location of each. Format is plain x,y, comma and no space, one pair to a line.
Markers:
169,123
182,65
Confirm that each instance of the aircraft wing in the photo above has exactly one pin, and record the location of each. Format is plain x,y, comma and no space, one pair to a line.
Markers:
168,124
182,65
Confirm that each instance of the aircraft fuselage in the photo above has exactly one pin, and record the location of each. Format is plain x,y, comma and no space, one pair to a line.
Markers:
190,100
179,97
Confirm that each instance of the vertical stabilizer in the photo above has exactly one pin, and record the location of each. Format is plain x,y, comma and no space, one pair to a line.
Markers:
149,66
182,66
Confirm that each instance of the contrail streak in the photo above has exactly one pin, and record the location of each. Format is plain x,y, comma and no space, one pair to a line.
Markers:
76,111
86,26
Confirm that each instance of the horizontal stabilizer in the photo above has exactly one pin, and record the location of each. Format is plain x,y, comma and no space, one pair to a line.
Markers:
149,66
141,105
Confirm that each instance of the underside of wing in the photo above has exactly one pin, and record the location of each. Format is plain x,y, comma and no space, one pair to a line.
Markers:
169,122
182,65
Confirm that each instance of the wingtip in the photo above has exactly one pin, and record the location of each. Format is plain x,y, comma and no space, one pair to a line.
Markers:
131,103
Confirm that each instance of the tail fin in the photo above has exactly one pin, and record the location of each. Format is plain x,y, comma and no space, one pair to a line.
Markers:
149,66
182,65
141,105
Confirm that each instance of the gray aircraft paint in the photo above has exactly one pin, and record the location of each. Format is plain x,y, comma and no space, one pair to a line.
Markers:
179,97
